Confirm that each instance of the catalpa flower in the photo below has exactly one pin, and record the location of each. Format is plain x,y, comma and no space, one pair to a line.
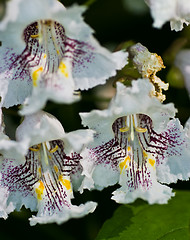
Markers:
175,11
136,145
44,181
48,52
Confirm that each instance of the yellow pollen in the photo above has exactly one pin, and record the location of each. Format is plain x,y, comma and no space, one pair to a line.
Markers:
58,52
45,55
54,149
124,129
141,130
55,168
151,161
39,190
35,149
64,69
65,182
35,75
34,36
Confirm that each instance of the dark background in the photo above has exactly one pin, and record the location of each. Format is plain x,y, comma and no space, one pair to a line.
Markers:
113,24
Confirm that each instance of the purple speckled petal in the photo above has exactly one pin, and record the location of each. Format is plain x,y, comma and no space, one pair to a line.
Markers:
138,158
174,161
15,82
45,179
47,45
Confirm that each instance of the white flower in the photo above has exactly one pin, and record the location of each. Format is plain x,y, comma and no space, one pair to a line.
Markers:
48,52
136,145
44,181
175,11
182,61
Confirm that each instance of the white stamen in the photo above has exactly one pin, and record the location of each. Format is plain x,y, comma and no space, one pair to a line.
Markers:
45,153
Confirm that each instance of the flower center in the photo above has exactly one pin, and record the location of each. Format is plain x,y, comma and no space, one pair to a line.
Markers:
45,175
52,170
48,50
135,161
45,45
131,123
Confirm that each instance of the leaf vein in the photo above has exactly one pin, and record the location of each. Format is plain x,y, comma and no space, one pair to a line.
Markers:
172,231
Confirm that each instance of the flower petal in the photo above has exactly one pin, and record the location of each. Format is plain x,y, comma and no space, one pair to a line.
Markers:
57,87
42,184
175,164
157,194
135,149
66,214
37,41
126,102
39,127
76,140
175,11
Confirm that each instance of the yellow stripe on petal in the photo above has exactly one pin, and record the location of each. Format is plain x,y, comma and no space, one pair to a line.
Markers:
39,190
151,161
63,69
128,149
40,171
65,182
128,158
35,75
56,168
145,154
123,164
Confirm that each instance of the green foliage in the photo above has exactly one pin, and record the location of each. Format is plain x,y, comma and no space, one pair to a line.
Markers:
89,2
175,78
141,221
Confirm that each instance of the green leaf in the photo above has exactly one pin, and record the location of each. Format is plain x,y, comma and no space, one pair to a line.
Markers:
141,221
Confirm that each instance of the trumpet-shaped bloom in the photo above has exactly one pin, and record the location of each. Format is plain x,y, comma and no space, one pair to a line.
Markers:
135,145
175,11
48,52
44,181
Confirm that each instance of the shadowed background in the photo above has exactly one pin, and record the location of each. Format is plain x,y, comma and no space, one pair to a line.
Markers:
114,22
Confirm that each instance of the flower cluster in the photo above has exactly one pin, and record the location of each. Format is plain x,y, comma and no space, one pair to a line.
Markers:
47,53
